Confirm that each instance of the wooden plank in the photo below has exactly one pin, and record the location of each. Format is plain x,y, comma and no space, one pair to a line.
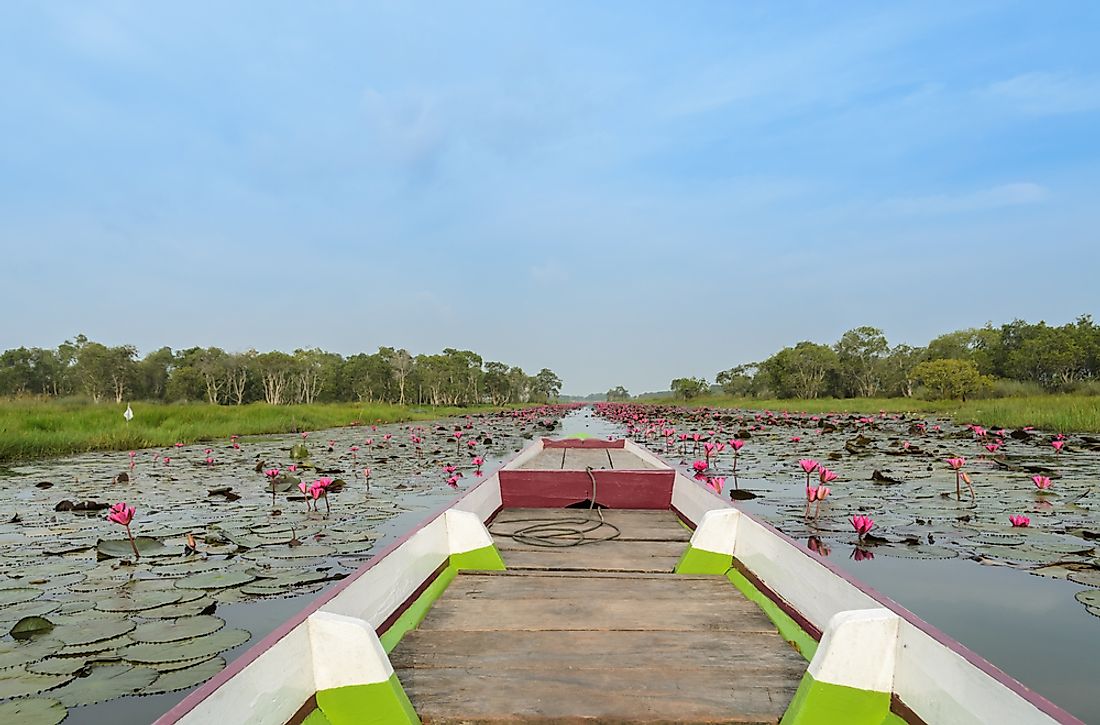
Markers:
551,459
628,460
633,525
474,586
516,650
578,459
586,613
608,695
655,556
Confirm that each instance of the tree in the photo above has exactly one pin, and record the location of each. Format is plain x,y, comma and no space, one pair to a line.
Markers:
276,370
546,385
951,378
738,381
859,352
688,388
618,393
803,371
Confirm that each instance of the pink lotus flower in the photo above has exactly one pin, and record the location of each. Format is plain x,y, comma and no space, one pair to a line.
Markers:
477,461
956,463
809,465
1058,446
305,434
1043,483
167,460
292,467
826,476
811,496
699,466
122,514
992,447
369,442
822,492
272,474
796,439
862,525
716,484
453,481
179,445
1019,520
209,461
449,468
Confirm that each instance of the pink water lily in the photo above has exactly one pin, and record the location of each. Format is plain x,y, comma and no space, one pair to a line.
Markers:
961,476
272,474
304,488
862,524
122,514
826,476
1058,446
1019,520
716,484
319,489
808,465
699,466
1043,483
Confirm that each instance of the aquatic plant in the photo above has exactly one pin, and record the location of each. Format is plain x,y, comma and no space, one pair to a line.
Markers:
961,477
862,524
1019,520
808,465
122,514
1043,483
271,474
699,466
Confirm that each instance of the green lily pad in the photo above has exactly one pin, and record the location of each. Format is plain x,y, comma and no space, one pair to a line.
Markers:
214,580
93,630
121,549
17,595
187,677
299,453
182,609
33,608
209,645
137,602
17,682
1089,597
29,627
101,648
33,711
58,666
295,552
105,682
174,630
1088,577
14,653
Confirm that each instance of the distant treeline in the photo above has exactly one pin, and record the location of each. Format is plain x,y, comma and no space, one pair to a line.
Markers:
453,377
1016,357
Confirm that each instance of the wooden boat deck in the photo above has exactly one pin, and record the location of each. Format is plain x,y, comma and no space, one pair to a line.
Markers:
578,459
599,632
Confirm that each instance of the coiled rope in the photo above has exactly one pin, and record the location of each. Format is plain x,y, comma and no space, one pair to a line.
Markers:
562,532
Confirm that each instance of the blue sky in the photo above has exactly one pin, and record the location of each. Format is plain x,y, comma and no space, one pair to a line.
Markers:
623,192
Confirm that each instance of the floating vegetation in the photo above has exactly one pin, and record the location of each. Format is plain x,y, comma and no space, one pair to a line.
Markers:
100,622
895,469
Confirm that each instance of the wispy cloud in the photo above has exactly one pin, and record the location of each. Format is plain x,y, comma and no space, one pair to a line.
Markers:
1047,93
997,197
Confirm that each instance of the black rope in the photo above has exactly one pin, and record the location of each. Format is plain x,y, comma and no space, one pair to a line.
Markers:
562,532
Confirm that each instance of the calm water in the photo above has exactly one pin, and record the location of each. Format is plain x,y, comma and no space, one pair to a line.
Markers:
1029,626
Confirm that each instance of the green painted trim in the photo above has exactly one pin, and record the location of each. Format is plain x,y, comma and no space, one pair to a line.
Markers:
379,703
411,618
788,628
487,558
700,561
822,703
316,718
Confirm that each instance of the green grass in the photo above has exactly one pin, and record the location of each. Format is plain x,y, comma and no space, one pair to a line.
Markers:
1058,413
35,429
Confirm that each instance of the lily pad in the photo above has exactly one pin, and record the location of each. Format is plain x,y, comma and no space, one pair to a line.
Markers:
17,682
174,630
17,595
1088,577
121,549
33,711
137,602
105,682
187,677
14,653
209,645
93,630
182,609
58,666
29,627
214,580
